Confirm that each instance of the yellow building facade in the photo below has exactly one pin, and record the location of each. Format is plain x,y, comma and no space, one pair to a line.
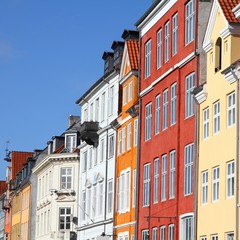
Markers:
218,146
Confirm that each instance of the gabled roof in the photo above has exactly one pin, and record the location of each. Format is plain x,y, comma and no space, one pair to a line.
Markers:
227,6
133,51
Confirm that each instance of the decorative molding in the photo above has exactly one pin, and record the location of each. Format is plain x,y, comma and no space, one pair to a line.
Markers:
202,95
208,46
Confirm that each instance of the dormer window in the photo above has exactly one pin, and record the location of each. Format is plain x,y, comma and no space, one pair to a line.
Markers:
70,142
106,66
116,56
218,55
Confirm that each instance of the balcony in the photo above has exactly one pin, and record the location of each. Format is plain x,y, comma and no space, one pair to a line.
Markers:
88,133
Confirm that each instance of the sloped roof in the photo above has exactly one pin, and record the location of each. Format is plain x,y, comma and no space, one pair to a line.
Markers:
133,51
227,6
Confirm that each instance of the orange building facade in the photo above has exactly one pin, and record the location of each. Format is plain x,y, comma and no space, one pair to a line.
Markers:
127,140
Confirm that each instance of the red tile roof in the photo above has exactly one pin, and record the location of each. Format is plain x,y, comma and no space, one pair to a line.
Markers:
133,52
17,161
227,6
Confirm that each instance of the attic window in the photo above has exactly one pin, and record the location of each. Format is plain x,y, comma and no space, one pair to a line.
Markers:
218,55
70,142
116,56
106,66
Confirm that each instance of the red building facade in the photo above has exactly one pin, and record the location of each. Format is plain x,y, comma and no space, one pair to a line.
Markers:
169,63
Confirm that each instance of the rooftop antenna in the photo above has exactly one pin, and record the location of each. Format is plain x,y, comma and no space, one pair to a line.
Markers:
8,153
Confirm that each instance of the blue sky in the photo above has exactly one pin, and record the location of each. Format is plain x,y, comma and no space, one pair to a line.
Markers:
50,54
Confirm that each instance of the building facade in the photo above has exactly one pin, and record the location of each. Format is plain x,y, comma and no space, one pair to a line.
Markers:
170,40
127,141
99,108
218,99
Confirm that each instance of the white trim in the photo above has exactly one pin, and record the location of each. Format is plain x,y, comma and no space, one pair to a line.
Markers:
202,96
178,65
125,120
127,76
153,17
124,225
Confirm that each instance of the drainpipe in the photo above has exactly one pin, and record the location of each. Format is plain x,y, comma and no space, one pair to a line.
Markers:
237,154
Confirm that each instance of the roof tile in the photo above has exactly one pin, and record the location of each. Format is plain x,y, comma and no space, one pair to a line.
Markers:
133,51
227,6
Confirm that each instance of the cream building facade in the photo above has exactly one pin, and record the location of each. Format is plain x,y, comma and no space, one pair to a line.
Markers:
217,208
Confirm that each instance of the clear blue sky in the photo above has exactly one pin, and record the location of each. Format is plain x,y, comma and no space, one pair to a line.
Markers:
50,54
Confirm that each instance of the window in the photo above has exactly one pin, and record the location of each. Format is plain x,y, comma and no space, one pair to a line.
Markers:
119,142
148,121
130,89
218,55
159,48
110,196
189,24
216,117
129,136
103,107
85,115
230,179
230,236
154,233
203,238
111,146
70,142
188,169
156,180
165,109
214,237
175,34
123,139
189,108
111,100
94,201
95,156
164,177
166,41
145,234
231,109
134,188
147,70
91,112
215,188
157,114
90,158
100,201
187,228
204,187
64,218
173,103
135,140
124,95
172,174
66,178
102,149
97,110
146,185
206,123
171,232
89,196
162,233
84,164
84,206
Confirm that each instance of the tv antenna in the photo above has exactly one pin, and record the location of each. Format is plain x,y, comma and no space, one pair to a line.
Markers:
8,153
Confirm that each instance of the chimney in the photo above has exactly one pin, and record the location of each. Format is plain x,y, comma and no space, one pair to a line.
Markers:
72,120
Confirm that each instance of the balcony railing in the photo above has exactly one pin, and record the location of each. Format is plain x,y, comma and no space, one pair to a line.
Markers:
88,133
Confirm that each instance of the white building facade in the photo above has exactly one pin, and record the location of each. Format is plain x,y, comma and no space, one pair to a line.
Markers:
99,106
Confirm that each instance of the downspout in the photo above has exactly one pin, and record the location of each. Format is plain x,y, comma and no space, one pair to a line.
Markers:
138,144
237,156
196,54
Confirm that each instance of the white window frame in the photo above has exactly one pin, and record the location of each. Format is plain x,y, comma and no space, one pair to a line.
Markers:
231,109
66,178
134,179
102,150
85,160
100,198
135,139
110,196
230,236
157,113
188,169
156,181
163,233
175,34
124,139
111,100
148,55
130,91
103,106
154,233
145,234
97,110
166,41
216,117
111,145
171,232
205,187
189,104
189,22
164,178
214,237
165,110
215,183
146,184
129,136
159,48
70,142
173,117
172,176
119,142
125,88
186,224
84,205
230,178
66,216
206,123
148,121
